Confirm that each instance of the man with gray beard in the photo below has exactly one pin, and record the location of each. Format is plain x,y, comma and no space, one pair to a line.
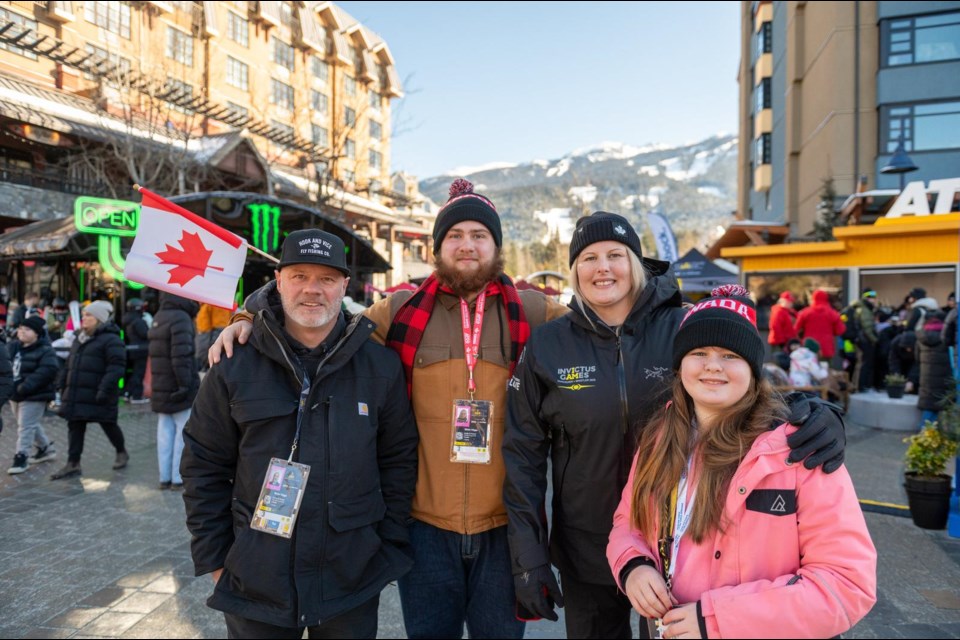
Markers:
300,461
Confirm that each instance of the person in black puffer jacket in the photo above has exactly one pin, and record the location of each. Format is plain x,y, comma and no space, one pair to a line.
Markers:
6,377
88,385
174,381
35,369
936,374
135,332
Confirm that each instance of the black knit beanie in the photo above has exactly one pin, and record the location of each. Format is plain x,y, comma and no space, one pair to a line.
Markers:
36,323
464,204
727,319
600,226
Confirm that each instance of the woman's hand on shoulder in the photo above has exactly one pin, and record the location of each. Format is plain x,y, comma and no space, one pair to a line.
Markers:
239,331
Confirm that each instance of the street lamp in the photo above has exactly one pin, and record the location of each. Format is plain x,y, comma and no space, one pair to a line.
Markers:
899,162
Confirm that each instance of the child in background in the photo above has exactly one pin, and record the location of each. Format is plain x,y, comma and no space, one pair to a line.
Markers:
805,366
752,546
34,373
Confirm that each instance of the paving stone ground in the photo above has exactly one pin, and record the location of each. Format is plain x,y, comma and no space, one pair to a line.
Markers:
107,555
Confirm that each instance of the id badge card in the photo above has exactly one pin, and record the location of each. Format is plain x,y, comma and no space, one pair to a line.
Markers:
471,431
280,497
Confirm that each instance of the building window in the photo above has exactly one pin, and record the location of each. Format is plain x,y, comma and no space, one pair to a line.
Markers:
376,130
925,126
319,68
763,95
374,100
376,160
764,39
319,102
286,14
25,23
119,70
762,152
181,94
242,5
350,148
349,116
349,177
179,46
931,38
319,135
112,16
238,29
284,131
238,74
238,109
282,53
281,94
349,86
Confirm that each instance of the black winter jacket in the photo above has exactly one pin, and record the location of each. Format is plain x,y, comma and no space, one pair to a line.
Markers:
903,357
6,377
35,370
936,388
360,441
88,383
581,394
135,331
173,369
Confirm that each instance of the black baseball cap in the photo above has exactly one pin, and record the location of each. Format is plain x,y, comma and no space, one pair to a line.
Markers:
312,246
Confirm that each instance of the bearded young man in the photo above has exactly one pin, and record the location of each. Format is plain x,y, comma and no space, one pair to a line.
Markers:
462,570
300,461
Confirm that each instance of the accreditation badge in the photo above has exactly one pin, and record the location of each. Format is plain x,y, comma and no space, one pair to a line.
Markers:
471,431
280,497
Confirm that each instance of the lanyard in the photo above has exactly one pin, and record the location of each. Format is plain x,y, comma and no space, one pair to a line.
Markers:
304,395
681,512
471,343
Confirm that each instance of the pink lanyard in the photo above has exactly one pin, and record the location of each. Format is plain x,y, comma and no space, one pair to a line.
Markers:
471,343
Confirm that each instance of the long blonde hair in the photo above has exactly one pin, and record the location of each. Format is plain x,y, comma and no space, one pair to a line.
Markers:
670,439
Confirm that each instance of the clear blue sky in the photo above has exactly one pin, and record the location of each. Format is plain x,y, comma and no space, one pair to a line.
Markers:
516,81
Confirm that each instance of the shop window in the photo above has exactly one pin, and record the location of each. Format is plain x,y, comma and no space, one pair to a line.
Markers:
927,126
22,24
920,39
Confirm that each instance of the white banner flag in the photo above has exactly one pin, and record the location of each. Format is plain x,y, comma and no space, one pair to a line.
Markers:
176,250
663,236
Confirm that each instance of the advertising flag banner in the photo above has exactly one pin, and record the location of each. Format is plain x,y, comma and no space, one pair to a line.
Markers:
176,250
663,236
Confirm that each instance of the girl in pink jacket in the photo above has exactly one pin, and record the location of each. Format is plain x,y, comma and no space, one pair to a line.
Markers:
717,535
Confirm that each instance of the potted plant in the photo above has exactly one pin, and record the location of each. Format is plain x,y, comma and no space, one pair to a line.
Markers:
895,384
926,481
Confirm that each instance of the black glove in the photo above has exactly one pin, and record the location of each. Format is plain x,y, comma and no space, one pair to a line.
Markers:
537,591
820,435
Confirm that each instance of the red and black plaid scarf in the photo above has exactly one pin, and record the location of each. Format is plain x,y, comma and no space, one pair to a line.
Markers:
408,325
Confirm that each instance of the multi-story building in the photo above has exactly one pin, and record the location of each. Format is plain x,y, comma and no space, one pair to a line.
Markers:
863,96
291,100
829,89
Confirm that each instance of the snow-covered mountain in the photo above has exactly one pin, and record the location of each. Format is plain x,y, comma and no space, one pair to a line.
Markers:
693,185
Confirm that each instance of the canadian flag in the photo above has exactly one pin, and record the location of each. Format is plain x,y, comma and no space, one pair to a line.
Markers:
180,252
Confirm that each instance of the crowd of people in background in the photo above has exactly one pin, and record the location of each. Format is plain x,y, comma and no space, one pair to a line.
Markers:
873,340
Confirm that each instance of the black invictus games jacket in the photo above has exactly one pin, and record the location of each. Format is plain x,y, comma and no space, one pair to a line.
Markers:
360,441
580,394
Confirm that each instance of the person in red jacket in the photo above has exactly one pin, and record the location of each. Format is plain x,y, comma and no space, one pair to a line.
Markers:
782,319
821,322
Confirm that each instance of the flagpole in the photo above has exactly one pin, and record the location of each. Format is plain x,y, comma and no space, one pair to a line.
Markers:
136,187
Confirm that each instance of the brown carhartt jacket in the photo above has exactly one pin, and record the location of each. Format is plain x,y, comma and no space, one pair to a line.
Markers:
465,498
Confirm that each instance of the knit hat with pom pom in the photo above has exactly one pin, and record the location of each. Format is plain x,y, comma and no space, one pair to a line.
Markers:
464,204
727,319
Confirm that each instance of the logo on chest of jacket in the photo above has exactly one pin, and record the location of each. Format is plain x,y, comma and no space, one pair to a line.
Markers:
362,409
776,502
577,377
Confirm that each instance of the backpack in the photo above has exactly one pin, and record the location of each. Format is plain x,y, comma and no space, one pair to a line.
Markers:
851,324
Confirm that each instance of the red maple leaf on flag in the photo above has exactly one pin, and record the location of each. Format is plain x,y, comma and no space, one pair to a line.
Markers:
190,260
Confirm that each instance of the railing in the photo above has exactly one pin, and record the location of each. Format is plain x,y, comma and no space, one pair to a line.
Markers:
52,181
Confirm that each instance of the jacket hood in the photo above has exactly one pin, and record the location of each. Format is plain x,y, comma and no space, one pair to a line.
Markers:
173,301
927,303
821,297
662,290
106,327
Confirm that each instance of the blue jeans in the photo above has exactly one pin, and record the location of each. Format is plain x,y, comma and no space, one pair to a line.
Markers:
459,578
170,444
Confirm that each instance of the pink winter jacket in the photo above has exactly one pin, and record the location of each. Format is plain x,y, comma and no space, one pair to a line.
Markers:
808,575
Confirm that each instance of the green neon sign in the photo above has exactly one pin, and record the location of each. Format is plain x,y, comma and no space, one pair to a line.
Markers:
106,217
264,226
112,261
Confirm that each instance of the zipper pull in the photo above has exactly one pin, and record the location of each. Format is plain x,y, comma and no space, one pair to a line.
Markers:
560,436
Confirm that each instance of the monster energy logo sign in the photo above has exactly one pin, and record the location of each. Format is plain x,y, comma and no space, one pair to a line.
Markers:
264,226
